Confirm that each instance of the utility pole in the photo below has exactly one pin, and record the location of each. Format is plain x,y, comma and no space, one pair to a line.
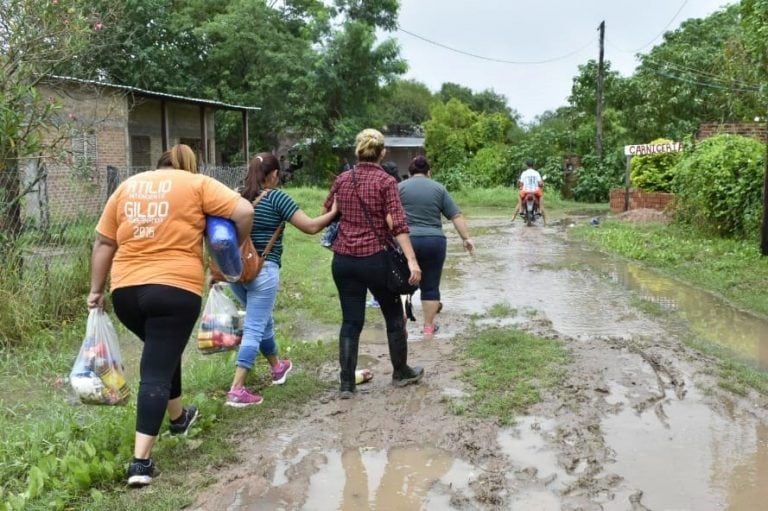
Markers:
599,117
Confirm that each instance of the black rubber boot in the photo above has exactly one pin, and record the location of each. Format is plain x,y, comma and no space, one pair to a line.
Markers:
348,363
402,373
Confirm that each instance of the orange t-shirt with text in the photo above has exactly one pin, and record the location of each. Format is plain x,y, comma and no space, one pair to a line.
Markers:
157,219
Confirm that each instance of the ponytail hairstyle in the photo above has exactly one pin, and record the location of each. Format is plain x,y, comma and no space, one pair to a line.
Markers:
181,157
259,168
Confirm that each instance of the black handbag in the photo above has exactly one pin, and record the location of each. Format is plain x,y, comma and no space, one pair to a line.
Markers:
398,272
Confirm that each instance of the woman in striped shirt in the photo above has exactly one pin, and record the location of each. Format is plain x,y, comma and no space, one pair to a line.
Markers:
259,295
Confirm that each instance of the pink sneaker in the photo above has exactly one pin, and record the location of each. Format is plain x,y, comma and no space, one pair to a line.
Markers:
242,397
280,371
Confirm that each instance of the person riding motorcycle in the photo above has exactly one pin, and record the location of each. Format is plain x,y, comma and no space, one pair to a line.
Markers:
530,181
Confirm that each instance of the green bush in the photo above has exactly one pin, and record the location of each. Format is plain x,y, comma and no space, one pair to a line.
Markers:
491,167
594,179
719,186
654,172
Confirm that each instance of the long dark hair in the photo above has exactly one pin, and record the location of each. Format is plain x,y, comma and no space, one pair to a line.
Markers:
258,170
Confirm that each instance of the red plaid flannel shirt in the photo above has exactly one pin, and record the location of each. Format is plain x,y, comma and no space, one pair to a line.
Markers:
379,192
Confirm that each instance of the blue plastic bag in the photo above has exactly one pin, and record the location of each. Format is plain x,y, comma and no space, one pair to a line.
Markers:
221,237
330,234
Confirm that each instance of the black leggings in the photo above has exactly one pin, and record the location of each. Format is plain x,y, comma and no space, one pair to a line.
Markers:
163,318
353,277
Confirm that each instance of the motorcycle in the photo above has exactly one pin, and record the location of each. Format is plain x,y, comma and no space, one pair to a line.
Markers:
530,210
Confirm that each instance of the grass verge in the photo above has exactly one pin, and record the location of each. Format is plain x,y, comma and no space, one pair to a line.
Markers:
732,269
508,370
56,454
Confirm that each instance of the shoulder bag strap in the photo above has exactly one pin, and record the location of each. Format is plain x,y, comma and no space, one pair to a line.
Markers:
367,213
275,234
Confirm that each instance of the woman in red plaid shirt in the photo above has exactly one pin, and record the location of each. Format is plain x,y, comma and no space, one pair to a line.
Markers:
371,211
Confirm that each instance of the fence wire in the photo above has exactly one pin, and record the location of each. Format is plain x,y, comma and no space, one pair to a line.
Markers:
48,255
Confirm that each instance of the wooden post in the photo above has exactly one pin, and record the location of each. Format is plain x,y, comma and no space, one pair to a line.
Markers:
626,185
245,138
203,136
164,125
599,112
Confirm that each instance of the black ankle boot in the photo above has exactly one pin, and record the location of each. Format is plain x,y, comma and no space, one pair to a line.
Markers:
402,373
348,363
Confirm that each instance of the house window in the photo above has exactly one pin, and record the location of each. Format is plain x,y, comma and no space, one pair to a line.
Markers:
84,155
140,152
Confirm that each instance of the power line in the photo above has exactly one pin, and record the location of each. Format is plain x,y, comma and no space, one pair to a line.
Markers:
706,84
674,17
492,59
678,67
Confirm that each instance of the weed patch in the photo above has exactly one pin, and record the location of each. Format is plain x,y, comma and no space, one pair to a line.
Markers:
509,370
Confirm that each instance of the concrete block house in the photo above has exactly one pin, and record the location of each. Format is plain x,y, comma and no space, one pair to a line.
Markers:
106,132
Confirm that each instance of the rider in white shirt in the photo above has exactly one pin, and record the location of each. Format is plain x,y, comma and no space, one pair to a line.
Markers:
530,181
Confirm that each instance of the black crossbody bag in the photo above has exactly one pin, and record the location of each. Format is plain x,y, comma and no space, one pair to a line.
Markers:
398,272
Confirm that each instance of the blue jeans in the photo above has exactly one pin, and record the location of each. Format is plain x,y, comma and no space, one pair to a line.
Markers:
430,252
258,296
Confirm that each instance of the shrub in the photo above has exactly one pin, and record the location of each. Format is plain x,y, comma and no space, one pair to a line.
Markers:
719,186
654,172
491,167
594,179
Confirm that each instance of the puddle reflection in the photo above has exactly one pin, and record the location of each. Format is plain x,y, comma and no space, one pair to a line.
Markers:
708,317
368,479
703,467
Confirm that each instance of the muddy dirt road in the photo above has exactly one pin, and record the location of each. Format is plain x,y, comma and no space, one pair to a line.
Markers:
638,424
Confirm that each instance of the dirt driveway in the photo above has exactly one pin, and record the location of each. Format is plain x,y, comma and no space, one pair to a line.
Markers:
638,424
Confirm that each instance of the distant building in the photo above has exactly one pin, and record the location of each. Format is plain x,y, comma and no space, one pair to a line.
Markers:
107,132
402,150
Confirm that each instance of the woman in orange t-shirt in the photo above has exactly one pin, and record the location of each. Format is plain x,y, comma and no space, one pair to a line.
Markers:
149,239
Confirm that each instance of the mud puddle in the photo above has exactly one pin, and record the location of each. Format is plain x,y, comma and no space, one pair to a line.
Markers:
637,424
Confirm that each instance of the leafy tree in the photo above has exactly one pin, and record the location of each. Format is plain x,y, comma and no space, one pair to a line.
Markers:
405,106
698,74
468,148
36,38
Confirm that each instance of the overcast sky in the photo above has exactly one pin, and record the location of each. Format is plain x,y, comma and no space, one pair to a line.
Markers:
532,31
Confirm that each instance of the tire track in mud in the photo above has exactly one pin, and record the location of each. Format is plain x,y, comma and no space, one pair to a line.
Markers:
567,453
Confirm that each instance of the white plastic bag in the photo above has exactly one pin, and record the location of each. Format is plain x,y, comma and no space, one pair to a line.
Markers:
221,327
97,376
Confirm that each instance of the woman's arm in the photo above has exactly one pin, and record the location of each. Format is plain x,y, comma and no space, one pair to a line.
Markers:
101,262
309,225
242,215
461,227
404,240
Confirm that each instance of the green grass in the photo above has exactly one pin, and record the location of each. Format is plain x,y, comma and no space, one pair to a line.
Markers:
57,456
507,371
734,269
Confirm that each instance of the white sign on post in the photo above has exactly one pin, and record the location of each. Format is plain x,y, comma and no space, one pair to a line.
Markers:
643,149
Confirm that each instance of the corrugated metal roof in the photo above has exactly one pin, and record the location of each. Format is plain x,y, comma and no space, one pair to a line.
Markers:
404,141
158,95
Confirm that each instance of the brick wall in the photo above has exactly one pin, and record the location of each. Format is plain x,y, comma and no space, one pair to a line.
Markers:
88,135
747,129
639,199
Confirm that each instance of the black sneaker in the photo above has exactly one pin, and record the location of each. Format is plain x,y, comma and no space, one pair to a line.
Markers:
140,474
189,414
